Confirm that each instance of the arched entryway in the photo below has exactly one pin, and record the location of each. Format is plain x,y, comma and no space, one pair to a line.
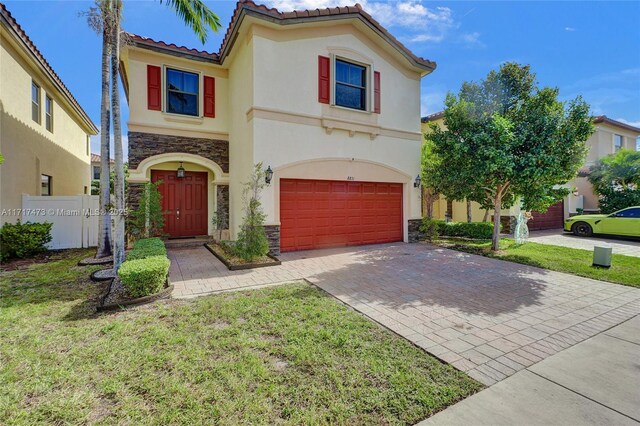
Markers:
192,189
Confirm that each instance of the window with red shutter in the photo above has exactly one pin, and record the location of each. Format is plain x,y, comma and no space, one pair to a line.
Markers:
209,97
376,92
324,85
154,89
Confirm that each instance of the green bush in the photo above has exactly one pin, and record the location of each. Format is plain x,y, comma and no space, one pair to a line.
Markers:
142,277
147,247
432,229
23,239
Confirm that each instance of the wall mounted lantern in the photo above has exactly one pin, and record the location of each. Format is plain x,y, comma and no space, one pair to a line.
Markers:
268,175
180,171
416,183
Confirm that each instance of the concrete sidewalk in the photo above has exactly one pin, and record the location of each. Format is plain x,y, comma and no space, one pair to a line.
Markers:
595,382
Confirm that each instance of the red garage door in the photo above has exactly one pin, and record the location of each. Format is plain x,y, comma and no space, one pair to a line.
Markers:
320,213
552,219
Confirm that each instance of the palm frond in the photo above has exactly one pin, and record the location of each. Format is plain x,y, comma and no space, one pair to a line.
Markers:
196,15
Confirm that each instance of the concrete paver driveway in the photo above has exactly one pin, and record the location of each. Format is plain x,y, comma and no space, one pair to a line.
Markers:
558,238
487,317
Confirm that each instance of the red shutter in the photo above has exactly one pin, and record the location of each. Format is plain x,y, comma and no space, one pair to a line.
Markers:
323,79
209,97
376,92
154,92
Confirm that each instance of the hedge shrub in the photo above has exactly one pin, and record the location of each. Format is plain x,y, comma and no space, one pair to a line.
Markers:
24,239
142,277
147,247
475,230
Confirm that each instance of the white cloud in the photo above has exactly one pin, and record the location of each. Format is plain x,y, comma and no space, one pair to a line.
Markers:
569,29
418,22
630,123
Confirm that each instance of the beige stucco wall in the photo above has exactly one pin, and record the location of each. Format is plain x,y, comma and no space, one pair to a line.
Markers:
267,106
601,142
29,149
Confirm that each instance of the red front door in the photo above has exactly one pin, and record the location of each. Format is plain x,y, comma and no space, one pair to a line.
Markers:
322,213
184,202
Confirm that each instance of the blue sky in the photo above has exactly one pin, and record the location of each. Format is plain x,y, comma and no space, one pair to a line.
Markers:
583,48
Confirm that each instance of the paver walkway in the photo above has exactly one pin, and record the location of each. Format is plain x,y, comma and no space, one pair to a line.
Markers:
558,238
487,317
595,382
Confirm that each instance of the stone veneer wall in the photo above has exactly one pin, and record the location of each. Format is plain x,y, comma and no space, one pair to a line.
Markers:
222,200
273,235
134,195
508,224
414,230
144,145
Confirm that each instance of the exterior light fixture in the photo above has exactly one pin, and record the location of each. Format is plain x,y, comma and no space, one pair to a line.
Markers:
416,183
268,175
180,171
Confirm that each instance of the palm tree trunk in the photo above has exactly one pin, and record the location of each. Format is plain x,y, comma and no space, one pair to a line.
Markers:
119,249
104,219
469,215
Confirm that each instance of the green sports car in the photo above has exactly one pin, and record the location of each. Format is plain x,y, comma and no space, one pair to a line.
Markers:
625,222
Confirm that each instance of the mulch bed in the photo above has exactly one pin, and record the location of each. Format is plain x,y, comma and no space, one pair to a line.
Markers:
17,264
116,297
89,261
235,263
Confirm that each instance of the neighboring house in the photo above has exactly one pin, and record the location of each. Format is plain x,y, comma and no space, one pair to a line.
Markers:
95,167
44,132
326,98
609,137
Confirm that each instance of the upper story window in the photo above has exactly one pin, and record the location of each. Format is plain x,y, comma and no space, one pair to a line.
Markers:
350,85
35,102
182,92
96,172
48,113
617,142
46,185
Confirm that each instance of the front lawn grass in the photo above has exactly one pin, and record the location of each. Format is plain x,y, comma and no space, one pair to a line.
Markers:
624,269
281,355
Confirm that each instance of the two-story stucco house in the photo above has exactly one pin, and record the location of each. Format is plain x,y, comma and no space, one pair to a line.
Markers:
44,132
609,137
326,98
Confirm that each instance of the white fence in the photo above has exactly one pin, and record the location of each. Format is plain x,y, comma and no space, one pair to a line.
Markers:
74,218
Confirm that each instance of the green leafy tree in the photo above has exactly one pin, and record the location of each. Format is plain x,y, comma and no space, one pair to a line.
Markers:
507,140
147,220
252,240
616,179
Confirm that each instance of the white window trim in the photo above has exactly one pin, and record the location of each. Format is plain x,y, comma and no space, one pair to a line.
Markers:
165,103
369,91
621,142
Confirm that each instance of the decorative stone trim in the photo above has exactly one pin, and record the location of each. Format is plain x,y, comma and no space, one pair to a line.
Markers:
134,195
273,235
508,224
144,145
414,230
222,197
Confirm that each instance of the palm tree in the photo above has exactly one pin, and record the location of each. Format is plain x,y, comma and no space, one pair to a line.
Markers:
98,20
200,18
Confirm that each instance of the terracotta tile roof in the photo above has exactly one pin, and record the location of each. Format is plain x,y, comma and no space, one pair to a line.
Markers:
607,120
21,35
172,46
248,7
432,117
95,158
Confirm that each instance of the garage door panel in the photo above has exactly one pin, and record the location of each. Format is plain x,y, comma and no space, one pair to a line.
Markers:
322,214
